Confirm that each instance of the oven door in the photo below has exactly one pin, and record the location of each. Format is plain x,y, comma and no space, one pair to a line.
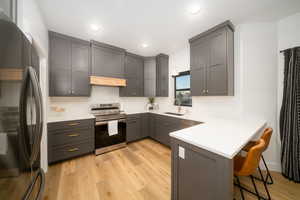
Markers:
102,138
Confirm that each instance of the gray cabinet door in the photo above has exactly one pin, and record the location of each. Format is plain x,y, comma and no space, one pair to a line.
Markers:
151,125
217,68
80,68
199,61
162,75
60,66
134,74
145,125
150,77
69,66
133,128
107,60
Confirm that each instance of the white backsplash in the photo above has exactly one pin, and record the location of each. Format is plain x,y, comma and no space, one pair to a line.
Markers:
99,94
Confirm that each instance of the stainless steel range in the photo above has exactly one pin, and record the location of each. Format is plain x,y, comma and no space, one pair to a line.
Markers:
109,117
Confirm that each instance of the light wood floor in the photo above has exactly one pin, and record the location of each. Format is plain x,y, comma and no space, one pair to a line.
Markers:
139,172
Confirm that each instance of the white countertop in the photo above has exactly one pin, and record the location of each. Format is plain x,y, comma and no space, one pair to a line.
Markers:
223,135
68,117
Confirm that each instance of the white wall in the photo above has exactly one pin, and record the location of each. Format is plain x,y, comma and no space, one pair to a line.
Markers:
30,20
259,86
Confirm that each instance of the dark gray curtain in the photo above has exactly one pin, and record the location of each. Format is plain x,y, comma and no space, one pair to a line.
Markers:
290,116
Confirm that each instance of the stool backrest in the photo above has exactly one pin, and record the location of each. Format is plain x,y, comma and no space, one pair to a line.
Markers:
253,157
266,136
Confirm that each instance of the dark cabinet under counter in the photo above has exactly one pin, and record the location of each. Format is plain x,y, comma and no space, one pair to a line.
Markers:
69,139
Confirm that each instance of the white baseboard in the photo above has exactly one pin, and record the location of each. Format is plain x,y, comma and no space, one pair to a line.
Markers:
273,166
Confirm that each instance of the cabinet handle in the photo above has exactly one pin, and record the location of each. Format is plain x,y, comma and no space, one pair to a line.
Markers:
203,91
73,135
73,149
73,91
74,124
206,91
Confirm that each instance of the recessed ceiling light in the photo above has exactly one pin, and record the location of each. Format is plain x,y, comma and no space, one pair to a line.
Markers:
194,9
95,27
145,45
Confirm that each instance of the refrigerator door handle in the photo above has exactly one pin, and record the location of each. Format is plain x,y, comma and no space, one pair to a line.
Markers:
31,78
23,123
39,113
40,174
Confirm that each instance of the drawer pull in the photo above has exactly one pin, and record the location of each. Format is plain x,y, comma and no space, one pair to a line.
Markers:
73,135
74,124
73,149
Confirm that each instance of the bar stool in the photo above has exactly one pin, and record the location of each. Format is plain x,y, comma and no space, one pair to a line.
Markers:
246,166
266,136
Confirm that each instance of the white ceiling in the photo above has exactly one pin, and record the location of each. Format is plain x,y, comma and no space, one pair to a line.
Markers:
163,24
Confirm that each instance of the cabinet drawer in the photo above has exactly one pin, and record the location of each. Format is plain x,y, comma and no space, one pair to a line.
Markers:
70,151
71,125
57,138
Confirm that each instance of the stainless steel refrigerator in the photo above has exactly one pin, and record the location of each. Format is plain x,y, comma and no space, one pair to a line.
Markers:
21,117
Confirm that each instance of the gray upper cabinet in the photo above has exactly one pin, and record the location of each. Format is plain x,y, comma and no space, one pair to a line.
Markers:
69,66
162,75
80,68
134,74
107,60
150,77
9,7
212,65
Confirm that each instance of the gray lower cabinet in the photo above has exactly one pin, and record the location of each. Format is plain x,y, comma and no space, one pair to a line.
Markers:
69,139
212,61
160,127
145,125
155,126
107,60
134,74
163,126
133,127
200,173
69,66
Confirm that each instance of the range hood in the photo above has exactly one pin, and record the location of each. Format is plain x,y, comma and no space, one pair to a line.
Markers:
107,81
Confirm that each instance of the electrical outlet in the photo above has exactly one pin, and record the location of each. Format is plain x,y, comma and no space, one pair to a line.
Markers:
181,152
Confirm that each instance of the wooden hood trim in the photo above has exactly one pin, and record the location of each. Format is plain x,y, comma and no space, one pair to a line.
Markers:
107,81
11,74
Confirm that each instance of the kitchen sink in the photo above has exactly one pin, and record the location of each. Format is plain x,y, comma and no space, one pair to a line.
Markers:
172,113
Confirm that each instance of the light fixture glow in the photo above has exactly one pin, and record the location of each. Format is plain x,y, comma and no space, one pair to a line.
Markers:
194,9
95,27
145,45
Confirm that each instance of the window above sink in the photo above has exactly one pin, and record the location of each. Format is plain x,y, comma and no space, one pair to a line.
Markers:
182,92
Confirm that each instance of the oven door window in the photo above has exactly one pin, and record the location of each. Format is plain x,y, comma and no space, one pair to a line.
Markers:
102,138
